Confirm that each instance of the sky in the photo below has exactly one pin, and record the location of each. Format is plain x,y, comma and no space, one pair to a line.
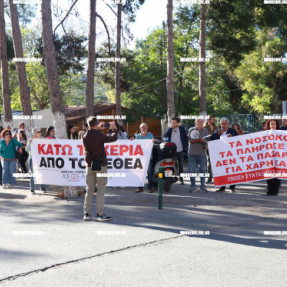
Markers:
150,16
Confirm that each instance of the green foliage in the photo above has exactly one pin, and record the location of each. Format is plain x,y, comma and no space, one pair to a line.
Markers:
131,7
265,82
240,34
70,52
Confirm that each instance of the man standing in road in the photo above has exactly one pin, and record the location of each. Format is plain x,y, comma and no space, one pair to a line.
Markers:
178,135
93,143
196,152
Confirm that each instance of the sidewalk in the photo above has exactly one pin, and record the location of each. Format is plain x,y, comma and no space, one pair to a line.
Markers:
44,239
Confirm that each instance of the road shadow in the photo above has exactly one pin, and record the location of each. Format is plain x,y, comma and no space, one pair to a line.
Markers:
239,218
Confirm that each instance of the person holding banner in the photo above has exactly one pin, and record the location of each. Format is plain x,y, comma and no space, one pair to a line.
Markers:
36,133
196,152
220,133
8,157
211,127
273,183
144,134
94,150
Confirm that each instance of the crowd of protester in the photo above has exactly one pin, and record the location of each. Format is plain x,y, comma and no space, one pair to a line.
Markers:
15,149
15,152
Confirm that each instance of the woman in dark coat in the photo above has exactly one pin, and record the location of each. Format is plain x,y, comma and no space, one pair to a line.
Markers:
273,183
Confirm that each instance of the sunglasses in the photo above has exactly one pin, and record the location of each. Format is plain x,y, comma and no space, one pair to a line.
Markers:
38,132
7,134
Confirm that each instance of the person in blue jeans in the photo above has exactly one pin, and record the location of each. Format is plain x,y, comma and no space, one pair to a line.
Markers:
196,153
36,133
144,134
1,172
7,152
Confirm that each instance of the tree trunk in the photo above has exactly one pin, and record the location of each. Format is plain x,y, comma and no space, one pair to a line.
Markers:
4,70
170,57
91,61
57,106
117,64
163,74
21,68
202,83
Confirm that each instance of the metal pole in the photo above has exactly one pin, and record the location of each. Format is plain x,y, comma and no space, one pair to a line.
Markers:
284,107
160,176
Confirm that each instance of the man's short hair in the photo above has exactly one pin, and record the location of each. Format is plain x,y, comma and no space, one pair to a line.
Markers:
224,119
199,118
143,124
176,119
35,129
85,125
211,116
92,121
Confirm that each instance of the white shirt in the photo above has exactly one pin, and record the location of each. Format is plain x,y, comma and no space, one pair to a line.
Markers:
175,138
224,135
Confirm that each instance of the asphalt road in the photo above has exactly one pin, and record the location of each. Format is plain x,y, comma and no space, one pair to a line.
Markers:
45,242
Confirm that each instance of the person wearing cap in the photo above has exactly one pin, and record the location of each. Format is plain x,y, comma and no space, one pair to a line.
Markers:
36,134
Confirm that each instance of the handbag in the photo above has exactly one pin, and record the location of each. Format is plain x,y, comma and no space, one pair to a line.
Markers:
17,154
96,163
